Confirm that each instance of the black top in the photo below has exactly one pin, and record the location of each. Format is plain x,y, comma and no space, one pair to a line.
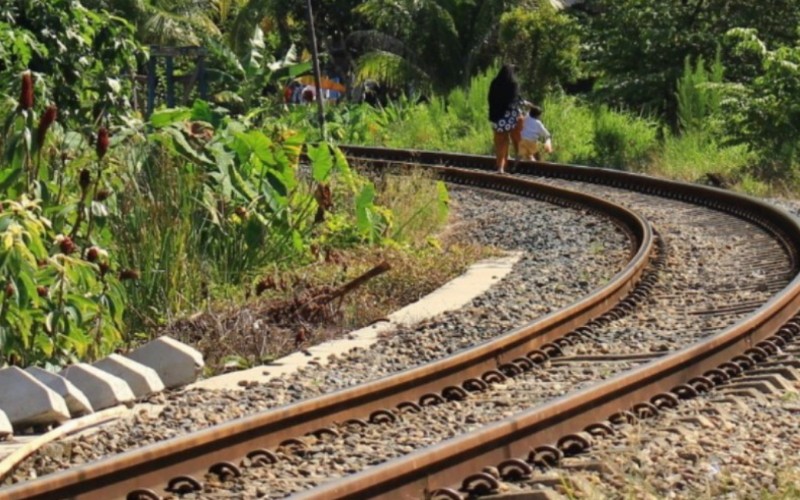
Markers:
503,93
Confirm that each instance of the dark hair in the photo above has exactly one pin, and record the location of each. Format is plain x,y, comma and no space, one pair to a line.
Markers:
503,91
535,111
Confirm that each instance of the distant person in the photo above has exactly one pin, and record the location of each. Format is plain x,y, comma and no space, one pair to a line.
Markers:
309,94
290,91
533,132
504,114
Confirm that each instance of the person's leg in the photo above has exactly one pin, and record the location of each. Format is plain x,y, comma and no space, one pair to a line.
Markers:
500,150
516,136
527,149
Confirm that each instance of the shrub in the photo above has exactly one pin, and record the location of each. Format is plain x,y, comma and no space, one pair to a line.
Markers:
83,59
693,156
572,126
699,93
544,43
622,141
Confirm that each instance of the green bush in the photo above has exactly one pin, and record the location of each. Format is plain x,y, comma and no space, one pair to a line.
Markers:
693,156
622,141
572,126
545,45
765,115
59,302
699,94
83,59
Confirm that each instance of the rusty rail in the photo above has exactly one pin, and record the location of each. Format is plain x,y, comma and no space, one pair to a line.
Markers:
152,467
436,470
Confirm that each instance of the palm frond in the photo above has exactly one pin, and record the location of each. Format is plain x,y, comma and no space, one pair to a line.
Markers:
248,17
369,40
390,69
179,22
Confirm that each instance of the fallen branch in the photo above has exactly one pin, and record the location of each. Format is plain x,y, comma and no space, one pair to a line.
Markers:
319,301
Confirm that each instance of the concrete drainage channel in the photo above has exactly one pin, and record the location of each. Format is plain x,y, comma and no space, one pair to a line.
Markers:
34,398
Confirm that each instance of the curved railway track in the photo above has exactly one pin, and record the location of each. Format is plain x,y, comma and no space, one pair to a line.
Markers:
552,427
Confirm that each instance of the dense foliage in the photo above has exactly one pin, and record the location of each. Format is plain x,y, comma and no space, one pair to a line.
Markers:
82,59
545,46
63,299
637,48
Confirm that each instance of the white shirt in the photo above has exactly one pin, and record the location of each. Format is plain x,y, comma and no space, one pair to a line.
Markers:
533,129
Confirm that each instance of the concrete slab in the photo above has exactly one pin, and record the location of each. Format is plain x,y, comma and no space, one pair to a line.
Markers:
451,296
142,379
76,400
27,402
457,292
176,363
5,426
101,388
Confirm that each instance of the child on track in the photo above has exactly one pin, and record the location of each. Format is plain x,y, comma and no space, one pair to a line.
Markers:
533,132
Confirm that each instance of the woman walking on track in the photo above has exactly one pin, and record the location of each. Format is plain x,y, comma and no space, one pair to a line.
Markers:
504,113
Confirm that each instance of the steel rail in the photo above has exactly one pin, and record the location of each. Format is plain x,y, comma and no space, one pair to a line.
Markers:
192,455
742,206
692,369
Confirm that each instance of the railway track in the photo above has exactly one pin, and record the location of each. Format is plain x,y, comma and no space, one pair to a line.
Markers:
578,337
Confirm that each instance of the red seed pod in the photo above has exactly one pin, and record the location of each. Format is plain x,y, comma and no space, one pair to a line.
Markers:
10,289
85,179
102,194
102,143
41,291
66,245
26,96
103,268
129,274
47,119
92,254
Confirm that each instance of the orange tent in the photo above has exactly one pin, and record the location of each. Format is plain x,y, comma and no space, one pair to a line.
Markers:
324,83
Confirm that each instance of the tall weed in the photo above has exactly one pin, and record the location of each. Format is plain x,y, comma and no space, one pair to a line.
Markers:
622,141
572,127
418,202
156,232
693,156
699,93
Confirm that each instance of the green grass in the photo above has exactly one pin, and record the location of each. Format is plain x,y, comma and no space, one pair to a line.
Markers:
583,134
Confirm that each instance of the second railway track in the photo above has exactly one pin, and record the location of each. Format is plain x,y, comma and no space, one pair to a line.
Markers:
519,391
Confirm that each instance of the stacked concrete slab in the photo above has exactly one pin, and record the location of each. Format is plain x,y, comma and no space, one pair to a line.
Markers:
6,429
103,389
39,397
76,400
177,364
28,402
141,379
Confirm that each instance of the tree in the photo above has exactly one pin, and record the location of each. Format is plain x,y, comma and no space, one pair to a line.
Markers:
439,44
171,22
545,46
765,114
83,59
698,93
637,47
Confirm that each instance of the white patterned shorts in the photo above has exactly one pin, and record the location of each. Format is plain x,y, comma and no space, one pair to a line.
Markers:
508,121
